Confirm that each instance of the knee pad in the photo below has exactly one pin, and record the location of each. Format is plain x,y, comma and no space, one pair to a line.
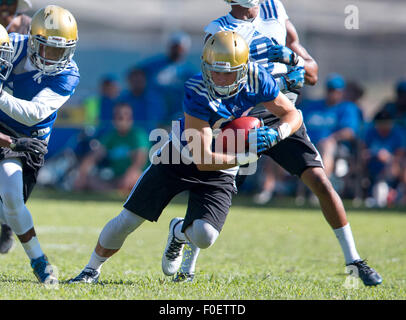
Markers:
202,234
18,218
117,229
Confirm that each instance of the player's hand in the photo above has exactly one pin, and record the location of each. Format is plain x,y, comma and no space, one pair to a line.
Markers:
29,145
294,79
284,55
266,138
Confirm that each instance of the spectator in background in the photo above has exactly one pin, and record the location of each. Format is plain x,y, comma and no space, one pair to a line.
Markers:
168,73
397,108
99,109
12,17
146,102
331,120
385,149
353,93
121,156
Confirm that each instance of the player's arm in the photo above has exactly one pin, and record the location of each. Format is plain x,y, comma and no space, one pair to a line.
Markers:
290,118
32,112
310,65
200,138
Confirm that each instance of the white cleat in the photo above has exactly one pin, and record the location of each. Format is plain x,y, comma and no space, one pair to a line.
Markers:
172,257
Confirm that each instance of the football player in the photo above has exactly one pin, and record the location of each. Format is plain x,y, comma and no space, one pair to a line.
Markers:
274,43
42,79
226,88
13,19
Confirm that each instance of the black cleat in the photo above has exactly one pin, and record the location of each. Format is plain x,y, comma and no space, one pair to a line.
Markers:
87,275
184,277
6,239
368,275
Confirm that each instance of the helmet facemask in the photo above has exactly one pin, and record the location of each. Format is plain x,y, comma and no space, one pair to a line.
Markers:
6,56
224,92
50,56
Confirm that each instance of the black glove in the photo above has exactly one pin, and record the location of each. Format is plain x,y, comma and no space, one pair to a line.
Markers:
29,145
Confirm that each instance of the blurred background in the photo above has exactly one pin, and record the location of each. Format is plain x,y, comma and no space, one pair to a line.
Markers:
139,53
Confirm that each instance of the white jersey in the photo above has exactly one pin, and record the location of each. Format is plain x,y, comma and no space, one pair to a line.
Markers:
266,30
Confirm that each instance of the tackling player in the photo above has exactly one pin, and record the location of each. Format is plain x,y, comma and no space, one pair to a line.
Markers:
274,43
228,86
43,78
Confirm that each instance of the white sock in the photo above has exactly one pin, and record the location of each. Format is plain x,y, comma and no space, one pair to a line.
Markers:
344,236
96,261
32,248
178,233
190,254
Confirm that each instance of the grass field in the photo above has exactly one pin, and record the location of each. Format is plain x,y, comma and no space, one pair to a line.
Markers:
262,253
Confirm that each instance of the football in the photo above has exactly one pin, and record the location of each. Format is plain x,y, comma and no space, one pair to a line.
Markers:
234,135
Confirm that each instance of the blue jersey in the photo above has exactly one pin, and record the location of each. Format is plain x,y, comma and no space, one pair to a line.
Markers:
393,142
321,120
23,86
260,87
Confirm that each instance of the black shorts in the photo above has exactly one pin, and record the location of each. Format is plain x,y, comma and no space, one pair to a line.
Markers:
31,163
296,153
210,193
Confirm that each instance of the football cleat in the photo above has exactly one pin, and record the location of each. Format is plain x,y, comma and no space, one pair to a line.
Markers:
43,270
184,277
6,239
172,257
368,275
88,275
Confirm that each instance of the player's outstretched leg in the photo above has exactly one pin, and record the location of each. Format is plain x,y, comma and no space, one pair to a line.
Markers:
20,220
334,212
110,241
200,234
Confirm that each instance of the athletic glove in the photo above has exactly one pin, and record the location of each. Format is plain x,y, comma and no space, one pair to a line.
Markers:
292,80
29,145
284,55
266,139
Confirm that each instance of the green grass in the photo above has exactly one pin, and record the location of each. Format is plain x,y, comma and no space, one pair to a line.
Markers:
262,253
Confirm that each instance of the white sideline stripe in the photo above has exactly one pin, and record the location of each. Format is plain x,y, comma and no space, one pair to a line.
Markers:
67,229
